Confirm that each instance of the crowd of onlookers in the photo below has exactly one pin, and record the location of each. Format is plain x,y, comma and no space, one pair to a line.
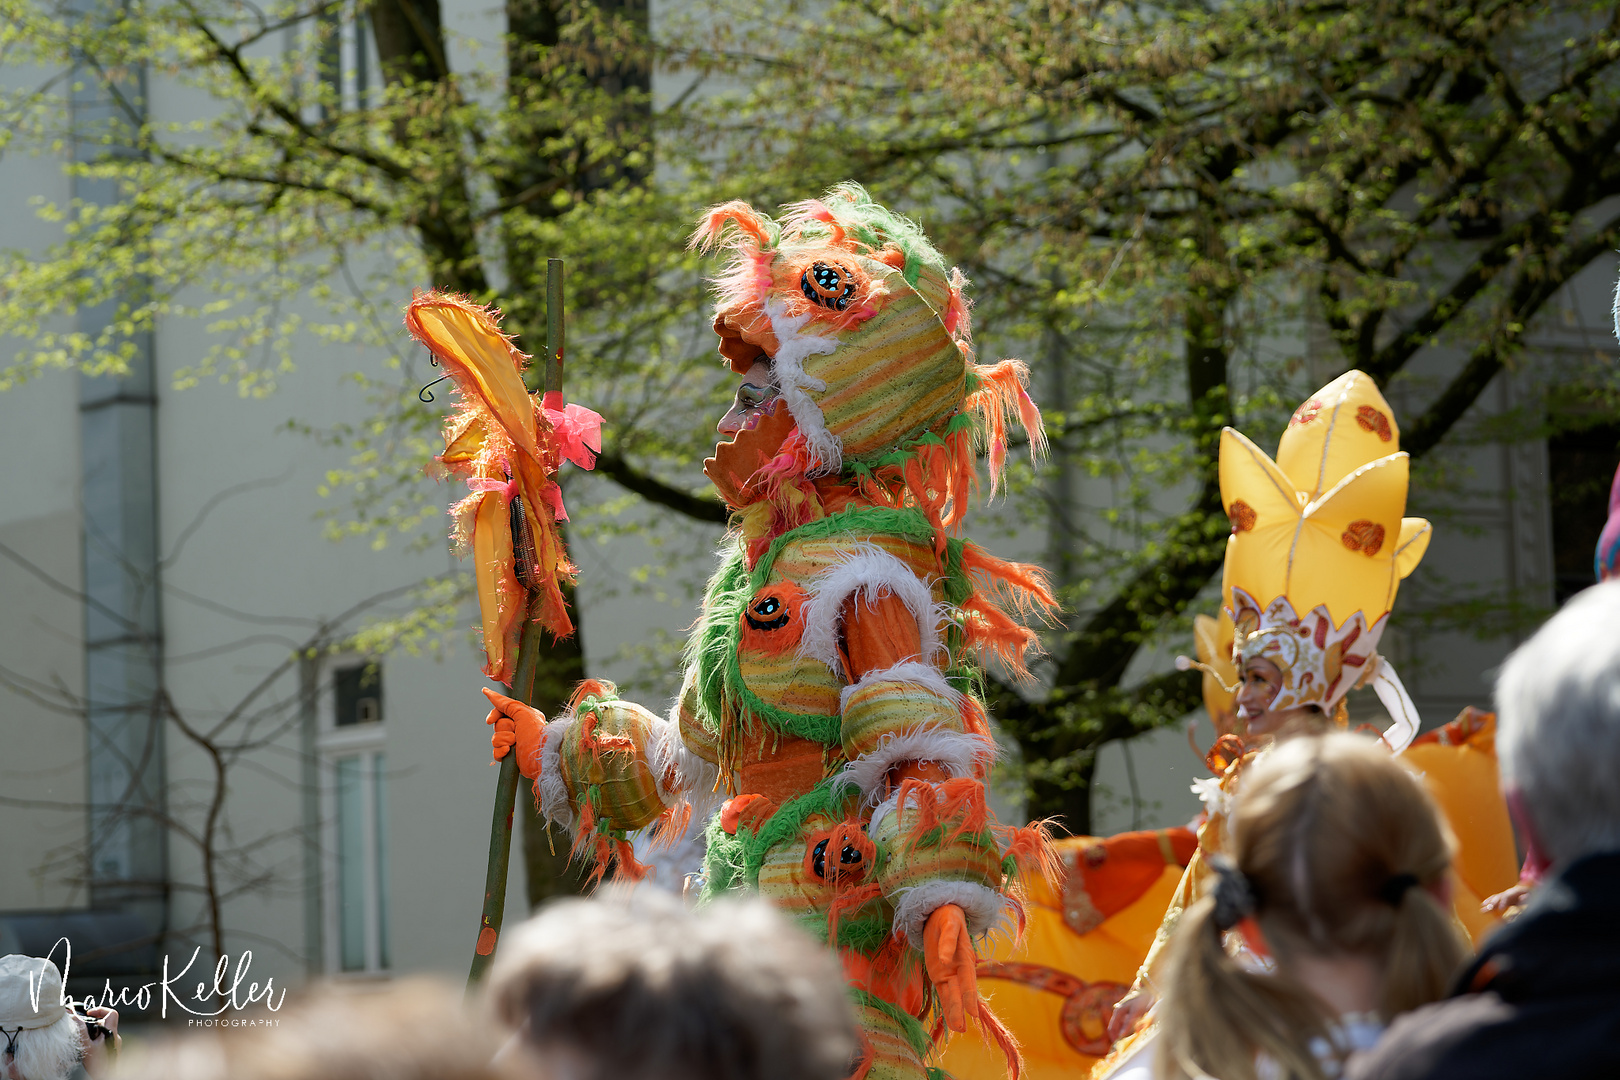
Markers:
1325,949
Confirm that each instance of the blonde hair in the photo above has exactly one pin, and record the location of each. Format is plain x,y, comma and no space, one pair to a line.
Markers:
1338,846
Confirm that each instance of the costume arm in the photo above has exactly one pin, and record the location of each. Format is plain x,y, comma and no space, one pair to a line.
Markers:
607,767
1194,882
917,748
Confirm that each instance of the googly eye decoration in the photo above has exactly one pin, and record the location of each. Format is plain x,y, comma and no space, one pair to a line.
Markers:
828,285
763,615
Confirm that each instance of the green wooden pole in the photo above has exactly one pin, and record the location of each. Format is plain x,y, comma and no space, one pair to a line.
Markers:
528,662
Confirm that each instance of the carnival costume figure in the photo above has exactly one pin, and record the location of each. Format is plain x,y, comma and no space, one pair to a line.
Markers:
1317,552
829,710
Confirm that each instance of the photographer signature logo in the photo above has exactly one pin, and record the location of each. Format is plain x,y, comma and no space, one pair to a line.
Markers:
206,1003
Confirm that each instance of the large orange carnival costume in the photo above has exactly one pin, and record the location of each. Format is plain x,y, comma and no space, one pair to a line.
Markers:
829,709
1318,548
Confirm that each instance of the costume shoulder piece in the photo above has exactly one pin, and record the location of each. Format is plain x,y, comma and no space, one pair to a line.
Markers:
1319,547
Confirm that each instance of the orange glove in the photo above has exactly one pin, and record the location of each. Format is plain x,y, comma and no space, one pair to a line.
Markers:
948,956
516,723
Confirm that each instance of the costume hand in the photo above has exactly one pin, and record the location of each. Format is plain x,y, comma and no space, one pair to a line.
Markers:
516,724
1131,1008
948,956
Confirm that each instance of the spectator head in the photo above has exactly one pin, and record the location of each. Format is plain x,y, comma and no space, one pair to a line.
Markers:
1335,851
43,1040
637,987
1558,727
414,1029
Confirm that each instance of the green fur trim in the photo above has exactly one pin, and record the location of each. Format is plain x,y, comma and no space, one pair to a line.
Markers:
910,1026
858,521
864,935
722,862
875,225
716,636
907,449
958,585
935,837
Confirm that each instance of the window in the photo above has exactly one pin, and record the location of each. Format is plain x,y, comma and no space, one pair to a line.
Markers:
359,695
355,822
345,57
1580,468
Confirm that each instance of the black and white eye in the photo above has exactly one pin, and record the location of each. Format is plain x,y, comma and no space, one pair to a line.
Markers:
767,614
848,858
829,285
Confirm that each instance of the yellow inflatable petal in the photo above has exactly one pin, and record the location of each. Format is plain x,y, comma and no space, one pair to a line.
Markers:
1251,480
1338,429
1345,554
471,346
1257,561
1415,534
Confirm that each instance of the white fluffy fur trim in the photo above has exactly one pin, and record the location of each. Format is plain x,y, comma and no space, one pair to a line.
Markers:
554,805
793,348
871,572
985,908
959,753
694,778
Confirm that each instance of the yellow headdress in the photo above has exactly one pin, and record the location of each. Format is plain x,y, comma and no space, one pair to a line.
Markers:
1319,547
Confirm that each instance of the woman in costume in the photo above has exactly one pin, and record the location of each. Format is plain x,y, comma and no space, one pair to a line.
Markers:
829,704
1317,550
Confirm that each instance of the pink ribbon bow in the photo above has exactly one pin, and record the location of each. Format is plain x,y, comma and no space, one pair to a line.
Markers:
578,428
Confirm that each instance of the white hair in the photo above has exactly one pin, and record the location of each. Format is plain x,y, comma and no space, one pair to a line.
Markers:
48,1053
1558,735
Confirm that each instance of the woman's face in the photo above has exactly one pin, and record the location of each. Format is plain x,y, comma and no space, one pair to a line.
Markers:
1257,689
757,390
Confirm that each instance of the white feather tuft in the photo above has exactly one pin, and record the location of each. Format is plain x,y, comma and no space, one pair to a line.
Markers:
694,778
959,753
793,348
985,908
870,572
554,804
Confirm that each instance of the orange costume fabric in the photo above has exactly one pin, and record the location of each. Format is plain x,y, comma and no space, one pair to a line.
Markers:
829,726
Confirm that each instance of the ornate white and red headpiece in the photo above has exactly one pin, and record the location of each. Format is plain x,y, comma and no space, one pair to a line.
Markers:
1319,547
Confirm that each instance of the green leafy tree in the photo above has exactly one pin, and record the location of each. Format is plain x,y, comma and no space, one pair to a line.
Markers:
1170,202
294,210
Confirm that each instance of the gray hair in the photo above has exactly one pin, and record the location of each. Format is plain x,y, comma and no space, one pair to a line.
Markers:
1558,739
47,1053
638,986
